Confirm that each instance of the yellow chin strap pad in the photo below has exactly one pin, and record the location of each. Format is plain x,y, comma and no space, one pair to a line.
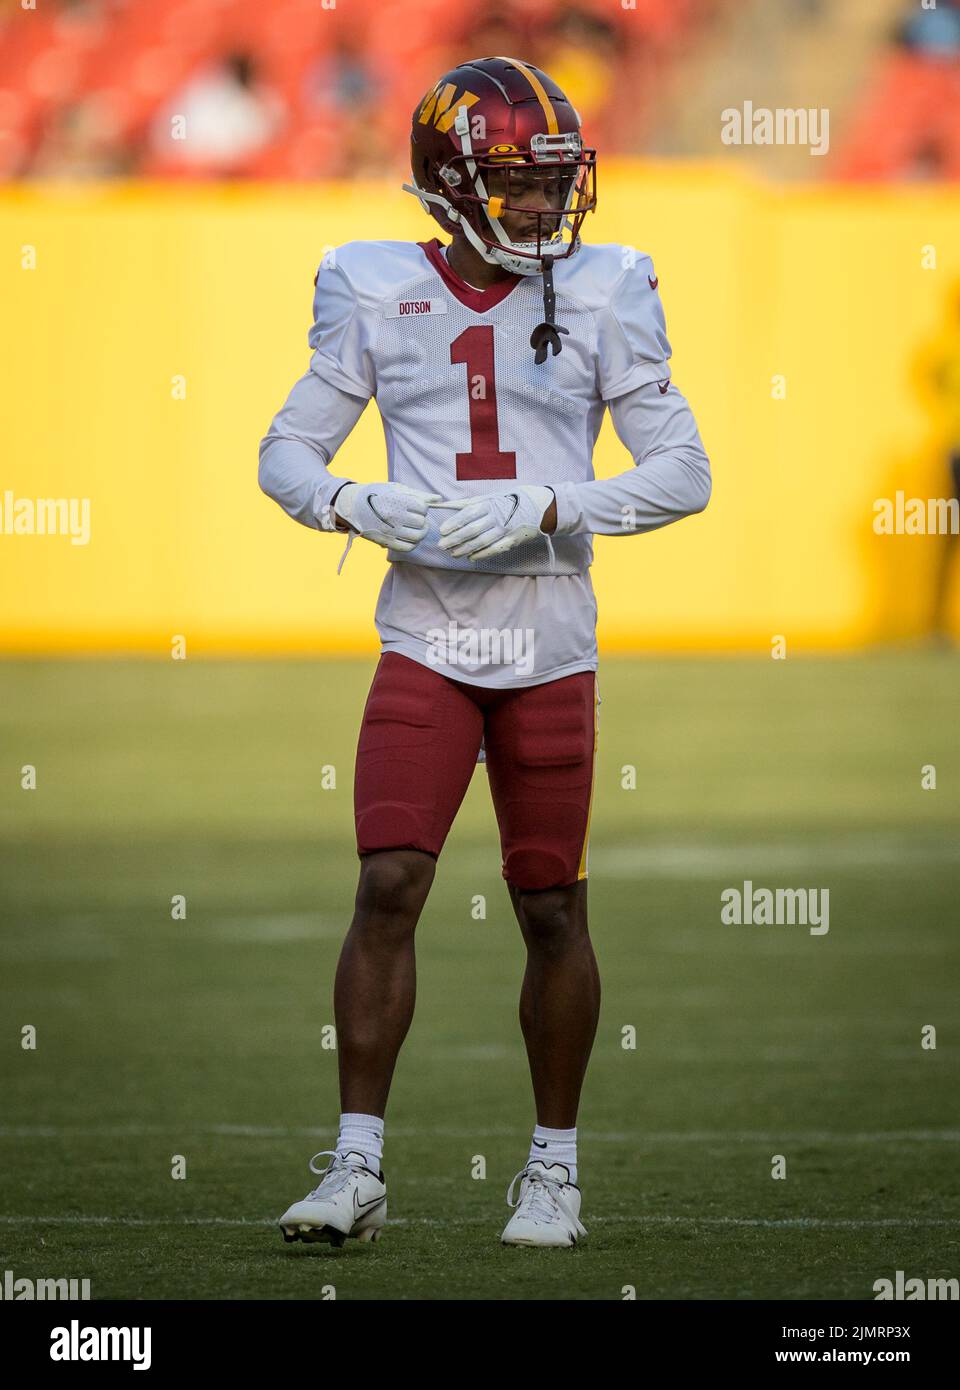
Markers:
495,207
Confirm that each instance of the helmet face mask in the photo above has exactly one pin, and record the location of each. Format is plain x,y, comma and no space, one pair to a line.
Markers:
520,209
497,154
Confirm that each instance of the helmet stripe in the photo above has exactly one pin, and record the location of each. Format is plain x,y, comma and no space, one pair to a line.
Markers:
552,126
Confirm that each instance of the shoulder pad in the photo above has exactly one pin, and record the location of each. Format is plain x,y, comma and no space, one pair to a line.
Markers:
372,270
594,273
621,289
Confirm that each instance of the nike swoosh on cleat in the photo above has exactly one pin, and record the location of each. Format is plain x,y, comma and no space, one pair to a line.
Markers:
361,1207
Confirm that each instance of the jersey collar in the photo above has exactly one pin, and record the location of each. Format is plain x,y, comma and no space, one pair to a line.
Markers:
478,300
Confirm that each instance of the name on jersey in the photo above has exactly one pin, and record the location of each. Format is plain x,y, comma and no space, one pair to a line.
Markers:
408,308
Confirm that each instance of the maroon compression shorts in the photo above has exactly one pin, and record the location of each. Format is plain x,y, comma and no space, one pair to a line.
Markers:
419,741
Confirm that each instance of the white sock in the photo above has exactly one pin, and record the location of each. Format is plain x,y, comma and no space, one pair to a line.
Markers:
362,1134
555,1146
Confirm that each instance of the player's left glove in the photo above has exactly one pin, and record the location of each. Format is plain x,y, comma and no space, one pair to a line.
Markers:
486,526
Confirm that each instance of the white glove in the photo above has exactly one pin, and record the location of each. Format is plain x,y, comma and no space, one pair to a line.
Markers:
389,514
486,526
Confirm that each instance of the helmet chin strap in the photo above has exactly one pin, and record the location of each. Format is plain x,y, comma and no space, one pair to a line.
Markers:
478,245
507,258
547,334
425,199
520,265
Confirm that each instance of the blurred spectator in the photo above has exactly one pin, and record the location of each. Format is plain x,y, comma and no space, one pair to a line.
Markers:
907,125
582,57
80,143
342,79
932,33
342,87
227,118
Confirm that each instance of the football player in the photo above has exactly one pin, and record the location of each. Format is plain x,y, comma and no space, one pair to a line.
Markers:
492,360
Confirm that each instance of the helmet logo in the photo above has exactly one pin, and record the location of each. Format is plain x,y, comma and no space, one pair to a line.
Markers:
439,105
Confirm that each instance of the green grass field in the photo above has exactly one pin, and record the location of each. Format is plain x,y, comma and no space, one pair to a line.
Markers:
202,1037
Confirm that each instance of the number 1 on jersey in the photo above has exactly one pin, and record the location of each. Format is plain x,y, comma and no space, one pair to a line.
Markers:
474,348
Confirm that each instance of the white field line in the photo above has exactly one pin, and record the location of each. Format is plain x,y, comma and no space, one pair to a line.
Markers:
798,1222
703,1136
709,860
883,850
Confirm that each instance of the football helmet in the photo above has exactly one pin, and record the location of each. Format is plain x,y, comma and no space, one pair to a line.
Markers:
486,125
503,115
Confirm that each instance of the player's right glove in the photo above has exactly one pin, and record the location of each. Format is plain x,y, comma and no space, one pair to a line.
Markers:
389,514
489,525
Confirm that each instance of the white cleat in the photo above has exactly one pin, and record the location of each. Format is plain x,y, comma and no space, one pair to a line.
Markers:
547,1210
349,1201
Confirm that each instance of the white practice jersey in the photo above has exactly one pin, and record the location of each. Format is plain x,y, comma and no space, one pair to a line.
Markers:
466,411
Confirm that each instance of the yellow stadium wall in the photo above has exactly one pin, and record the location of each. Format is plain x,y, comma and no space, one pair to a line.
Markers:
136,284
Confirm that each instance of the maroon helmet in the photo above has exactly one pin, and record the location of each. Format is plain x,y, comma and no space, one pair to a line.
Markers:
503,115
497,121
